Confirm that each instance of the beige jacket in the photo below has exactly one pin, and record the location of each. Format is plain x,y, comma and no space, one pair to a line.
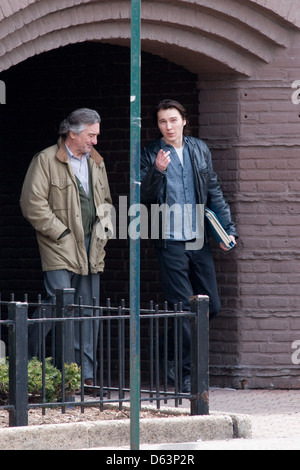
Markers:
50,202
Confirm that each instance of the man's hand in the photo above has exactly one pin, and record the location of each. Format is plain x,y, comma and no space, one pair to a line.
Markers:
162,160
224,248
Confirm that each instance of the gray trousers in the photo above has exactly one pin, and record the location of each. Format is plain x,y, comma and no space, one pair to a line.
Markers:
86,287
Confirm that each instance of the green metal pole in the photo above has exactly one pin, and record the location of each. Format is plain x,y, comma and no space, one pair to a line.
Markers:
135,131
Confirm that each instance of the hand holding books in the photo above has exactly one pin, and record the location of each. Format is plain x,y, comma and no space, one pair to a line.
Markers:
227,242
224,247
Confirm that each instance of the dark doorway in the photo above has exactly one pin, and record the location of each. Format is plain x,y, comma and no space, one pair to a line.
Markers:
40,92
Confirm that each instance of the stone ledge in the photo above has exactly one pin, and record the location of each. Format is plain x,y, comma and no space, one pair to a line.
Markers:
106,433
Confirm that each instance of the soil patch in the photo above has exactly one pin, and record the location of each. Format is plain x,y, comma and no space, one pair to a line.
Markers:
74,415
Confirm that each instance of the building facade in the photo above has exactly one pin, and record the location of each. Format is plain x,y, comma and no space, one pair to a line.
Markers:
236,66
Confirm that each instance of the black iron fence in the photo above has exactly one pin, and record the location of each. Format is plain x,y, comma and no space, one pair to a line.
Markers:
111,351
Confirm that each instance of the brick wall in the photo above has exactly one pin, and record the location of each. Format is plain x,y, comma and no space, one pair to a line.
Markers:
268,207
253,127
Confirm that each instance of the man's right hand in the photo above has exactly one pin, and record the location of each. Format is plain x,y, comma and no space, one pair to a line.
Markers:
162,160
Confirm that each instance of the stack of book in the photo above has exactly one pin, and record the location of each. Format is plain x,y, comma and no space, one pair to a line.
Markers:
218,230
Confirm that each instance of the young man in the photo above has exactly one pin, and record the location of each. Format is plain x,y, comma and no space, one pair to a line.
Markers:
176,170
62,191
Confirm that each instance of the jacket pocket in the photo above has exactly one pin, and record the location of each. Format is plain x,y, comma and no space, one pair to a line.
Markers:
62,254
59,193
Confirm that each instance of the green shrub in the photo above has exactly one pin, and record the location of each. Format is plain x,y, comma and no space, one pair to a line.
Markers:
53,380
4,378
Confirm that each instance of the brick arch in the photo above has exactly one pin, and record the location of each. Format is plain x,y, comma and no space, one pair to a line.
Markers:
203,36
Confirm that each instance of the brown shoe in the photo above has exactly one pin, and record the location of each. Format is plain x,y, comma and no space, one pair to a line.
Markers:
90,388
89,382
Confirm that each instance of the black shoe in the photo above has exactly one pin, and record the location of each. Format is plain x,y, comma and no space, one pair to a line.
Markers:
170,370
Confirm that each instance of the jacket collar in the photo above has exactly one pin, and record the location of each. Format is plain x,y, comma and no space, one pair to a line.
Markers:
63,156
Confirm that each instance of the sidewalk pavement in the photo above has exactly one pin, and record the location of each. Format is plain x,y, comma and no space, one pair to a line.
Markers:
274,423
274,414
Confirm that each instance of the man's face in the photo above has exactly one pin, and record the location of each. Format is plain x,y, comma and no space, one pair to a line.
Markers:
82,143
171,124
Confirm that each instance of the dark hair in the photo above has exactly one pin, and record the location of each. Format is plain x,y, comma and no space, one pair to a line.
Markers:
168,104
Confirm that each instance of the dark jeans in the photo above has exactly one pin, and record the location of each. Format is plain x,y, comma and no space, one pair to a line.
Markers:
185,273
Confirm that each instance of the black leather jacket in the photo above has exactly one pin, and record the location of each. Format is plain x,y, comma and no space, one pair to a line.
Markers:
209,193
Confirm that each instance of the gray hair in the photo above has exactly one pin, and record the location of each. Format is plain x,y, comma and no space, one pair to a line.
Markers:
78,120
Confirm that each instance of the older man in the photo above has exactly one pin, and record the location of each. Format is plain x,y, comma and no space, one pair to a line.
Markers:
63,188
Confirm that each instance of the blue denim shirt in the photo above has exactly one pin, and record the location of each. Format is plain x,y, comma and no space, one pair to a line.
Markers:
181,196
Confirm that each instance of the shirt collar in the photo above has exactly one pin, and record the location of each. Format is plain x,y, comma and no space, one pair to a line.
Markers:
163,144
85,156
63,156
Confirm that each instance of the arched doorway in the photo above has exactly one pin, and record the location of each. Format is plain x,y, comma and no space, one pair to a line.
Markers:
41,91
